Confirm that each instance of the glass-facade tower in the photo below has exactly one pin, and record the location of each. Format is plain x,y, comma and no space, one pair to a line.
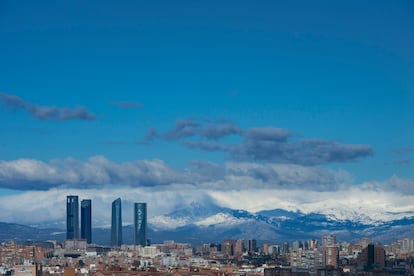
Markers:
140,224
72,217
116,225
86,220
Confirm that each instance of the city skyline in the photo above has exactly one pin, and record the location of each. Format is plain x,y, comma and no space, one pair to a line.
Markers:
301,106
72,221
304,257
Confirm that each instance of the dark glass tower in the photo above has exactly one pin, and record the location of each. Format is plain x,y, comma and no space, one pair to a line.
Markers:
140,224
116,226
72,217
86,220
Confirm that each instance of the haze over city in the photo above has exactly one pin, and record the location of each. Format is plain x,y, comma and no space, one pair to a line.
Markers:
296,105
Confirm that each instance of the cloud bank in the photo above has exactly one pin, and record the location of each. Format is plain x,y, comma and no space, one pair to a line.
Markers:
267,168
98,171
238,185
46,112
260,144
370,201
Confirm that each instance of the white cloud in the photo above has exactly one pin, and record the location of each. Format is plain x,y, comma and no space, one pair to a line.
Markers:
249,186
45,207
355,202
98,171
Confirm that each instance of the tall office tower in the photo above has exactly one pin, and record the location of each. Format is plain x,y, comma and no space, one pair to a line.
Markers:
72,217
140,224
86,220
116,226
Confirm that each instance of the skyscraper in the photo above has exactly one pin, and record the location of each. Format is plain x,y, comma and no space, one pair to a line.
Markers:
86,220
72,217
116,226
140,224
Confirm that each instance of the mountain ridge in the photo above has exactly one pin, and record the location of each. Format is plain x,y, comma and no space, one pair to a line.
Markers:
200,223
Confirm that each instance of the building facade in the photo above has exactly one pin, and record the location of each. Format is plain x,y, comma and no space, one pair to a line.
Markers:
330,256
140,224
372,256
252,246
306,260
86,220
116,223
72,217
330,251
28,269
328,240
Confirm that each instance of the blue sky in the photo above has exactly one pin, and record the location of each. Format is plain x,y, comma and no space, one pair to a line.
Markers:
331,84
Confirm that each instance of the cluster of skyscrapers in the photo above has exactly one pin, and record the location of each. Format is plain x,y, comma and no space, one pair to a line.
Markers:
140,223
72,221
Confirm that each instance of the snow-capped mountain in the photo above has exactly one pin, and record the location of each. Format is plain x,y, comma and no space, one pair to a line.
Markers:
202,221
206,222
200,214
360,215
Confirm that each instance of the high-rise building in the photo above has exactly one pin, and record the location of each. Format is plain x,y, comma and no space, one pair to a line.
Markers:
227,248
72,217
330,256
86,220
328,240
285,248
140,224
372,256
296,245
330,251
239,247
309,260
116,225
252,246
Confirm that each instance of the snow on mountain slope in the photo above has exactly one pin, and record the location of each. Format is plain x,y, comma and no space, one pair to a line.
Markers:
220,218
363,216
367,212
207,221
196,213
202,223
165,222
